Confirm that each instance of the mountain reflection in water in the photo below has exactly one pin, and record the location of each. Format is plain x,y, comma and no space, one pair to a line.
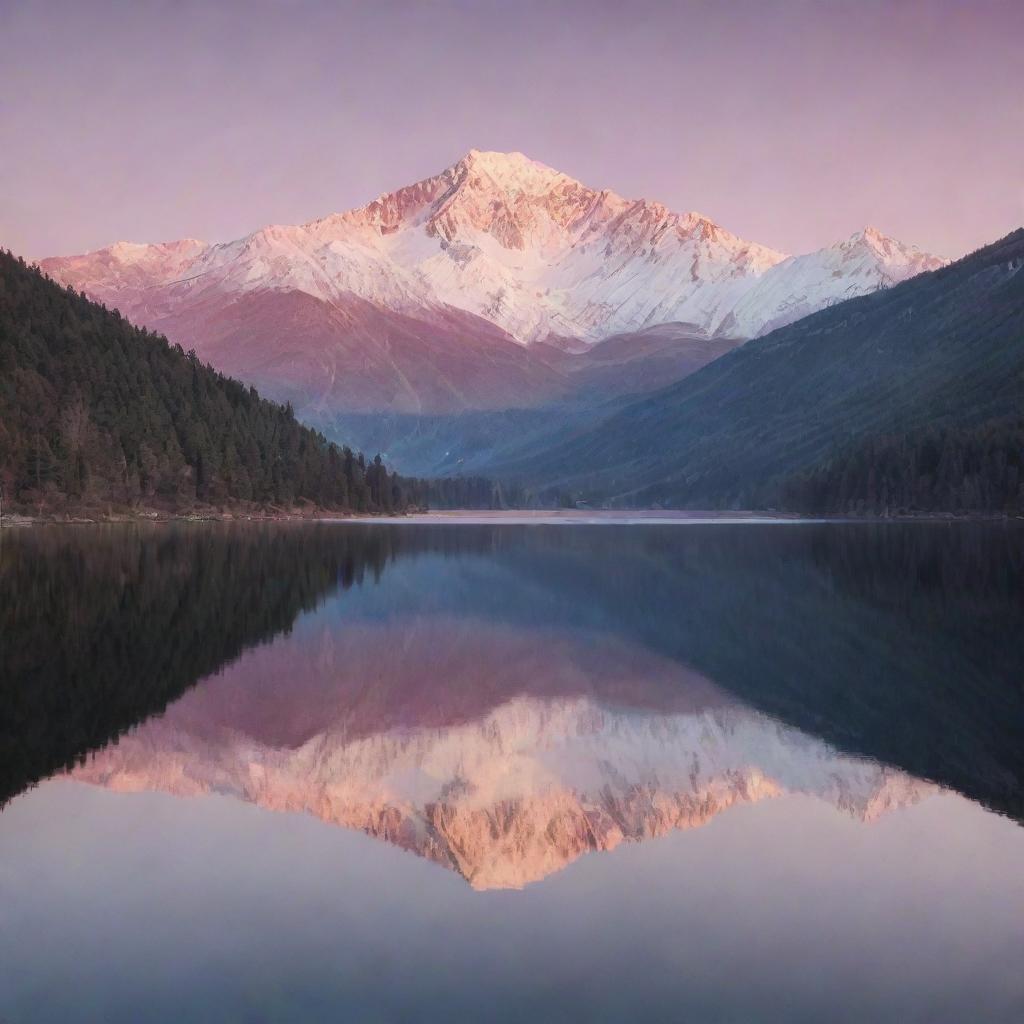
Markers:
501,700
499,752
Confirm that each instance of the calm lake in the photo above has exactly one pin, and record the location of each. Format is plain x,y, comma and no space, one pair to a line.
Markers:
705,772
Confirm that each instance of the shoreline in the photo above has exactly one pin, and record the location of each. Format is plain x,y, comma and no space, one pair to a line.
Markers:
18,519
495,517
670,517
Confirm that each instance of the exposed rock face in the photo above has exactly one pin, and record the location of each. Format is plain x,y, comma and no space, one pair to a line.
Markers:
409,300
499,754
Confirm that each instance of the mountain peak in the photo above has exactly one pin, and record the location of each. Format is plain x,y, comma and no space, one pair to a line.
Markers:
514,171
869,236
494,158
890,252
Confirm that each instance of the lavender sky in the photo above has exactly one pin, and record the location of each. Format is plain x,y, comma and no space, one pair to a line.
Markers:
790,123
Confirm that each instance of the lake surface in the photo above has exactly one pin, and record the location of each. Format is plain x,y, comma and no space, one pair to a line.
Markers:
703,772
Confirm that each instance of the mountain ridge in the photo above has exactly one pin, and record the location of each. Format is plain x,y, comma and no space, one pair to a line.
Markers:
490,206
495,253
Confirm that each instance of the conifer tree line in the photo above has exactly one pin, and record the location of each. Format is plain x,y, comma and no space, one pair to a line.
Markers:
977,468
96,413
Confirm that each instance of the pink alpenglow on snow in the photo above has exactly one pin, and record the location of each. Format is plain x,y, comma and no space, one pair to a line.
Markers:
426,298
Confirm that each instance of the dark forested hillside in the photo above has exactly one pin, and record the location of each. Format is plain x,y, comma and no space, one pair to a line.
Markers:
932,469
96,413
910,397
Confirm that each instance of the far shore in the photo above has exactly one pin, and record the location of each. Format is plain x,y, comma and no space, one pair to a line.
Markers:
669,517
495,517
16,519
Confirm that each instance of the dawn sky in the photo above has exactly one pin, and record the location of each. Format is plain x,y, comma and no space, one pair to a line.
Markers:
793,124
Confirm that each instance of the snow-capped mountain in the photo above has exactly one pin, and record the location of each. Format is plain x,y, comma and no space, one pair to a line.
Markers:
802,285
499,754
497,247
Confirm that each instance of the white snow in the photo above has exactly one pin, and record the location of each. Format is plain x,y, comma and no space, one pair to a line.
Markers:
518,243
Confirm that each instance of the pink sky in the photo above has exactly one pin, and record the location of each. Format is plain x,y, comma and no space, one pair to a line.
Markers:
790,123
